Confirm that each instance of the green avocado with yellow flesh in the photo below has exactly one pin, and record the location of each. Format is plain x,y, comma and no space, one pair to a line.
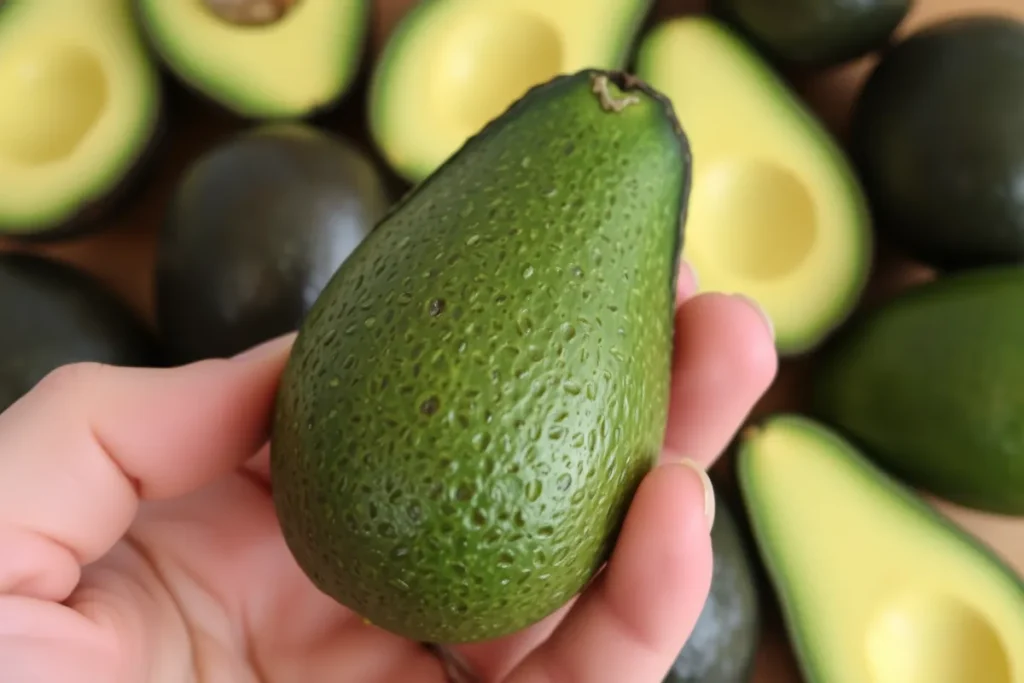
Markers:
261,59
875,584
476,394
931,383
450,66
80,110
777,212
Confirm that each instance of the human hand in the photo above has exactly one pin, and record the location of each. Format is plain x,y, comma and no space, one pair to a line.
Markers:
138,541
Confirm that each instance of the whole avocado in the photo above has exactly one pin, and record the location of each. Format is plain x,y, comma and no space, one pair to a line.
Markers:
936,134
255,229
474,398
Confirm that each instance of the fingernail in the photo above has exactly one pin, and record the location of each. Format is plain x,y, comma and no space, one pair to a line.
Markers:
688,267
709,490
760,310
271,347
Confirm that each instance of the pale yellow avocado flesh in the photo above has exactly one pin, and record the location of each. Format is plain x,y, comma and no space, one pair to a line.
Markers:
80,102
876,586
451,66
776,211
286,69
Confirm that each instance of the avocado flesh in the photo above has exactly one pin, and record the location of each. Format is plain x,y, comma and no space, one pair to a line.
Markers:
475,396
80,108
255,229
937,135
291,68
777,213
875,585
932,384
451,66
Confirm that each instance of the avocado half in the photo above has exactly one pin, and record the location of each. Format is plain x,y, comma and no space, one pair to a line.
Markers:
261,59
80,110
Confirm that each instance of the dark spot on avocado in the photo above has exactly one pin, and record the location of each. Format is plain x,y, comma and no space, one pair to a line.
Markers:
436,307
430,406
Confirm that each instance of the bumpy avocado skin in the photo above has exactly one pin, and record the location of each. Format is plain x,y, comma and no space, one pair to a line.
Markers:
478,391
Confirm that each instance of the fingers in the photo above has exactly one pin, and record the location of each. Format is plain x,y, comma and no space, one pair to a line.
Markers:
633,621
686,284
724,362
79,451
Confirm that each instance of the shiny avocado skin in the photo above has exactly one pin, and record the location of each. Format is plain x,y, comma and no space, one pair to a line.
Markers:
55,314
479,390
253,233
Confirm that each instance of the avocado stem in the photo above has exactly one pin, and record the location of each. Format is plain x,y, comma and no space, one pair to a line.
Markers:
456,669
608,101
250,12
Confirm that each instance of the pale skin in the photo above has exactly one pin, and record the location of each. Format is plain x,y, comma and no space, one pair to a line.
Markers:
138,541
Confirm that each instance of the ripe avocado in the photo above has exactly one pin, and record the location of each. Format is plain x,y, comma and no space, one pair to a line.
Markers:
777,212
255,229
451,66
55,314
261,59
79,112
724,641
875,584
813,33
932,385
937,135
478,391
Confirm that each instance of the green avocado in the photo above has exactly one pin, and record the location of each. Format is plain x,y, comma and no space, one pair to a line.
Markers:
777,212
254,230
936,132
932,384
478,391
875,584
80,111
723,644
55,314
450,66
814,33
261,59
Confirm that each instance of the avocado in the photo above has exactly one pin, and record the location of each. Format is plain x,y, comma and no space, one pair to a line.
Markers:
256,227
724,642
936,133
813,33
450,66
476,394
931,383
777,212
80,112
261,59
54,314
875,584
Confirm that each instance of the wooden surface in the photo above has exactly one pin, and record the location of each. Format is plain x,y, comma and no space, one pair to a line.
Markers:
122,254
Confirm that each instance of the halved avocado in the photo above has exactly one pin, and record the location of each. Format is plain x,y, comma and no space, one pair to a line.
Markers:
875,584
80,108
776,212
453,65
298,58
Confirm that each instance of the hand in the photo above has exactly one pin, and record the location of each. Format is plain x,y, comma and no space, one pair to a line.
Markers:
138,542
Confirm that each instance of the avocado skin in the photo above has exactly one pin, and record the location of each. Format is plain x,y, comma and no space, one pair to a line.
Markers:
936,134
813,33
931,386
256,228
724,641
477,393
55,314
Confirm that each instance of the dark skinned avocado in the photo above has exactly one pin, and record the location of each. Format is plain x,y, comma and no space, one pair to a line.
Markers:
260,59
55,314
255,229
723,643
814,33
936,133
476,394
80,111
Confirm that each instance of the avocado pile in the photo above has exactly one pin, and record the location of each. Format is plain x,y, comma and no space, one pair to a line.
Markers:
477,227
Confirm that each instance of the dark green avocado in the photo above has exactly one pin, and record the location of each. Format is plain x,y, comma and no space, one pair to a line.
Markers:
254,231
55,314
